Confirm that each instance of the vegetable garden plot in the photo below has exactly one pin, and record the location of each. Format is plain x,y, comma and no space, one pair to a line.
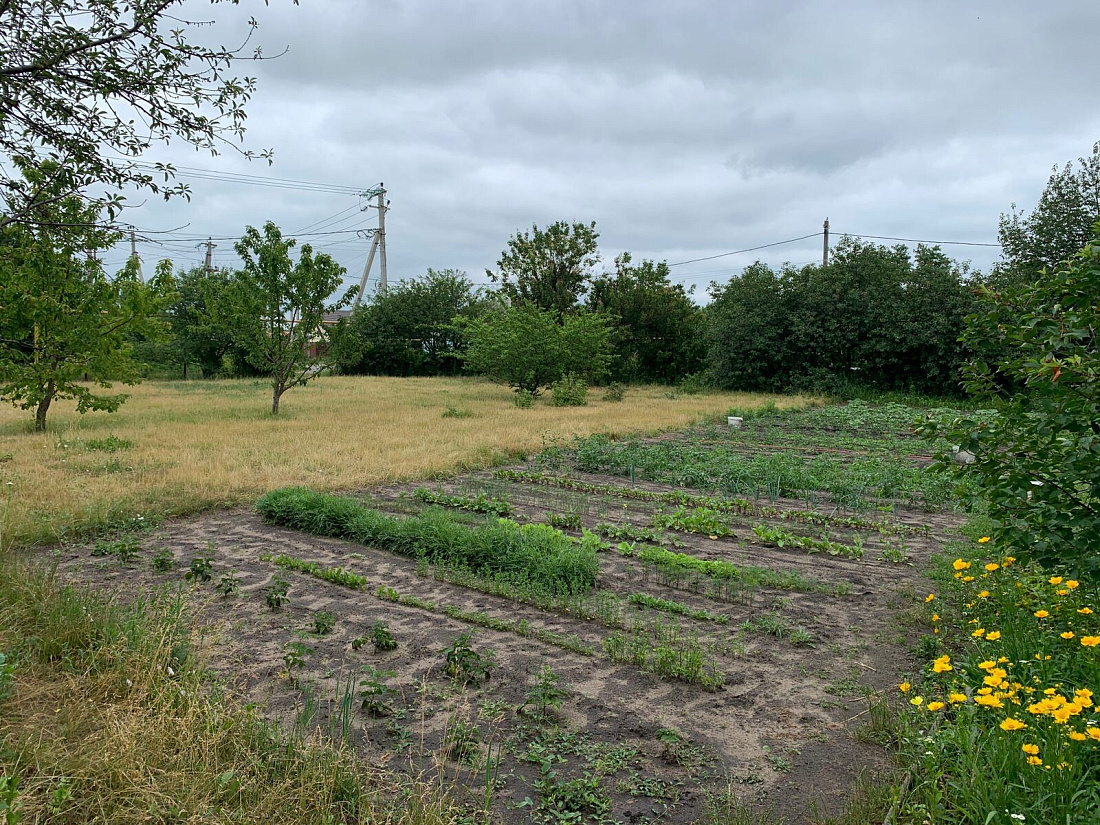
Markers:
563,644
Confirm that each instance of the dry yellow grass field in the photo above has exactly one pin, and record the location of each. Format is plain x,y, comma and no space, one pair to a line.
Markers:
197,445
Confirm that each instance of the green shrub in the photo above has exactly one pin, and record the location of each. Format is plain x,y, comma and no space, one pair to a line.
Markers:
524,399
532,554
615,391
570,391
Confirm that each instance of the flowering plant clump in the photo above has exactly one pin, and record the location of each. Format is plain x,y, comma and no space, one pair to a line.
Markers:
1004,727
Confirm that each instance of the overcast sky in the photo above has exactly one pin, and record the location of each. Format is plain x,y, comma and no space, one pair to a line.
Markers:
683,129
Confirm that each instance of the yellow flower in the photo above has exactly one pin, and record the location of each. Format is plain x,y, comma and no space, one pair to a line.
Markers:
916,701
935,705
1067,635
1055,580
1093,733
960,564
1011,724
935,617
1034,760
1090,641
993,635
983,540
992,566
1085,692
904,687
956,697
989,701
1041,614
1073,584
1030,749
1085,611
942,664
988,664
1077,736
977,634
984,594
968,578
929,597
1009,560
1062,592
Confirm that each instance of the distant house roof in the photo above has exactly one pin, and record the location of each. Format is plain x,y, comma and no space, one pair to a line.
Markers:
334,317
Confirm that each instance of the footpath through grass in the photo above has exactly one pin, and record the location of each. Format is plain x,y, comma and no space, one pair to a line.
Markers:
180,447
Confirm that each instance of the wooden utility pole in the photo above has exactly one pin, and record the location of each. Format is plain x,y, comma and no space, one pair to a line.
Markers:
825,245
134,255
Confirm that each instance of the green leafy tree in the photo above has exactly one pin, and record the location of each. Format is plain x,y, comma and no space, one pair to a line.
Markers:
657,332
1058,227
550,269
276,307
94,83
1037,455
748,331
64,325
407,329
527,349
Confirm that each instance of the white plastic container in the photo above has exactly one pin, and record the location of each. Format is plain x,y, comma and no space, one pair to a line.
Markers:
735,422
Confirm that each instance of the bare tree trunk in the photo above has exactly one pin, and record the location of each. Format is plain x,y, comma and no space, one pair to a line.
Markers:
44,407
276,393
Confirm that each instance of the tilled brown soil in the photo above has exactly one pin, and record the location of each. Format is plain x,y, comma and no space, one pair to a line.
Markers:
779,734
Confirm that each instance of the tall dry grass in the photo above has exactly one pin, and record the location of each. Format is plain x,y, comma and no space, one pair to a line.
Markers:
200,444
106,718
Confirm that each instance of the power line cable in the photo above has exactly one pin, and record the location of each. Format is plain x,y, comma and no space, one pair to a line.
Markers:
917,240
750,249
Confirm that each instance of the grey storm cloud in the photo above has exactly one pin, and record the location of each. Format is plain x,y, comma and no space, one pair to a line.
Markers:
683,129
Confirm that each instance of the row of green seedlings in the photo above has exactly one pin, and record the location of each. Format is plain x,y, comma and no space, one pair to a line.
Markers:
345,578
612,611
200,570
531,553
741,506
712,523
720,579
663,648
480,503
520,627
857,484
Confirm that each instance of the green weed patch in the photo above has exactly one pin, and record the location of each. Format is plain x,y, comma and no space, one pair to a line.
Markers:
532,554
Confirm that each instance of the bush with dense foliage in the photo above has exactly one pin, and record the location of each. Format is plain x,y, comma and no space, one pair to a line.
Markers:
875,316
1037,457
408,329
529,349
